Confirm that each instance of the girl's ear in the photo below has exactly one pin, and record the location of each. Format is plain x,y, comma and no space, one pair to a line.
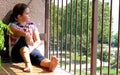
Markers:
19,16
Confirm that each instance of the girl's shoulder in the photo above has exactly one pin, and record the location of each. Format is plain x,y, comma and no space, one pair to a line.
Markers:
12,24
30,23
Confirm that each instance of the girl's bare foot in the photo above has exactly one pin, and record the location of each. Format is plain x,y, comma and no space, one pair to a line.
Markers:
53,63
28,67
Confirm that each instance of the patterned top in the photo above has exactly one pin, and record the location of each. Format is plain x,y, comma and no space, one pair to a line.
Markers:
28,28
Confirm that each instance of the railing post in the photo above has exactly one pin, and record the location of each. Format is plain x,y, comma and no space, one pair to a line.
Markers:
94,37
47,28
118,50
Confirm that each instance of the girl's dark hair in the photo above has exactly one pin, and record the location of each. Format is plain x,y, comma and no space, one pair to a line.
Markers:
17,10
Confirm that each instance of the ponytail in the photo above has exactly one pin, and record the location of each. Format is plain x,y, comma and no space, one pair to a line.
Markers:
12,18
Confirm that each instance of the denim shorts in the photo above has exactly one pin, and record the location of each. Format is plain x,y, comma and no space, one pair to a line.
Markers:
35,56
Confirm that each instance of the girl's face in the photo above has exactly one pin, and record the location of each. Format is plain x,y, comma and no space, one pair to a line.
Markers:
25,17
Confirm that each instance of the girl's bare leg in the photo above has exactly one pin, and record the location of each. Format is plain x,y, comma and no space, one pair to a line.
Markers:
26,57
50,64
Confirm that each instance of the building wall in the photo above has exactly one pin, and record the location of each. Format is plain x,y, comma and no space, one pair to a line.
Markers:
37,8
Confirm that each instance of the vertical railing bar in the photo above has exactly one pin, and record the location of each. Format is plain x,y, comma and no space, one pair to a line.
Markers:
66,32
50,29
53,27
110,38
94,37
70,36
102,33
61,34
117,65
75,39
57,27
46,28
87,38
81,37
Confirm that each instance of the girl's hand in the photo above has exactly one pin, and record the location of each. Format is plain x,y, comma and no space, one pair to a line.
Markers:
29,39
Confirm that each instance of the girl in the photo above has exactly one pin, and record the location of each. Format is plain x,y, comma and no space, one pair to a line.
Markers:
25,40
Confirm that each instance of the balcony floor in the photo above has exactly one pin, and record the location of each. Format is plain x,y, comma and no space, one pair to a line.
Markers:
16,69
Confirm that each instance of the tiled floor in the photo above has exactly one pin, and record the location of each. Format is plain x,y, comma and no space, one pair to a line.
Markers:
16,69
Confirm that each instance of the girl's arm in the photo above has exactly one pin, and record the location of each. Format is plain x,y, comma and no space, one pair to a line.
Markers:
36,38
19,33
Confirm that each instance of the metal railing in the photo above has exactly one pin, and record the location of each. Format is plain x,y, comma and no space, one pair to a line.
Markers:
81,36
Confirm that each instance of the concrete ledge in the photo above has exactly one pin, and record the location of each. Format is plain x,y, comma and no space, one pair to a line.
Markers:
16,69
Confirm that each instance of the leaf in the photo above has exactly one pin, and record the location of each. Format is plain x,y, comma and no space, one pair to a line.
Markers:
2,39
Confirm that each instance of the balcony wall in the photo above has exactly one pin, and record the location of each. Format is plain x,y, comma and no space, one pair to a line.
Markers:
37,8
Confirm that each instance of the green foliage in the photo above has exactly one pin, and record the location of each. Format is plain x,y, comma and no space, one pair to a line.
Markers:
115,40
105,70
2,39
104,56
